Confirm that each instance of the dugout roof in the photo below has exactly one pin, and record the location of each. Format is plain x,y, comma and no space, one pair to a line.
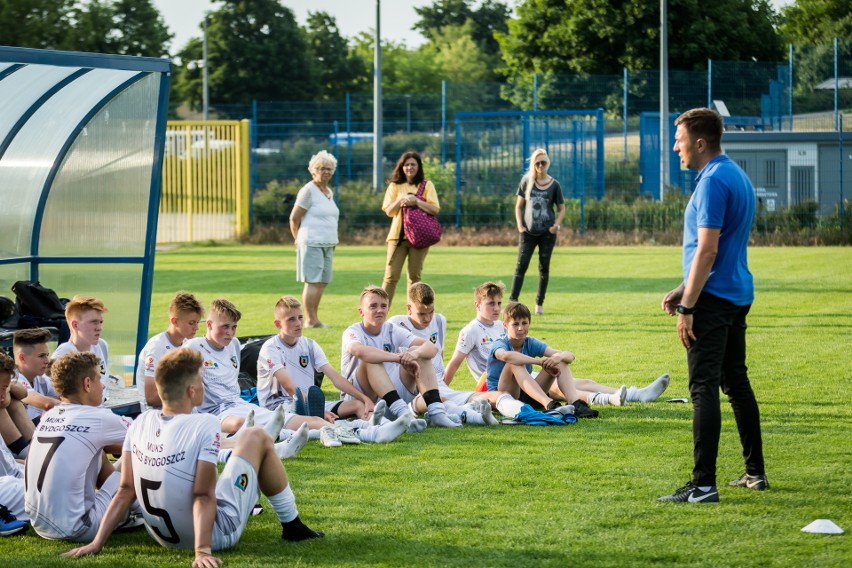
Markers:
81,142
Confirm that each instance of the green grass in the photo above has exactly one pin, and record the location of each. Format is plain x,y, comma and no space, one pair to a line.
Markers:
582,494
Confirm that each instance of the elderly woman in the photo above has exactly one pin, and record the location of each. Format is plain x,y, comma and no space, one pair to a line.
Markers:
313,223
404,183
538,194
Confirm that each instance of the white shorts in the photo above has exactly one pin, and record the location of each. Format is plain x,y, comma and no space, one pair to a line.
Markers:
12,495
88,526
456,397
237,491
262,416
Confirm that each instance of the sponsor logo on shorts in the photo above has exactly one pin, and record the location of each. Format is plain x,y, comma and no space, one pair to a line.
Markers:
242,482
303,361
234,362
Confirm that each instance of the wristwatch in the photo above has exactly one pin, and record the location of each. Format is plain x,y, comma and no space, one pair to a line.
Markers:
681,309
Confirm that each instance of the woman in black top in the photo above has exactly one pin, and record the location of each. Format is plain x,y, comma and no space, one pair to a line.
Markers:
538,224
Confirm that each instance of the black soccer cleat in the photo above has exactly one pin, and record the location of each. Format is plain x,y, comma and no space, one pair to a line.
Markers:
582,410
690,493
756,482
296,530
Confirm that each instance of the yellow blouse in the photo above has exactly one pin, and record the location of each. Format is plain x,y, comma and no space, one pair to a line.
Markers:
393,193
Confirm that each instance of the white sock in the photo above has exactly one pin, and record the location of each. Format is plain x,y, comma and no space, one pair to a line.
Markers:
453,408
294,443
313,434
358,423
632,394
473,417
509,406
436,408
284,505
274,426
398,408
390,432
600,398
653,391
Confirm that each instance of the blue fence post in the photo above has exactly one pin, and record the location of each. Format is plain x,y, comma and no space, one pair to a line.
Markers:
841,171
599,114
525,137
348,139
624,114
836,121
709,83
458,172
444,124
790,86
535,91
336,152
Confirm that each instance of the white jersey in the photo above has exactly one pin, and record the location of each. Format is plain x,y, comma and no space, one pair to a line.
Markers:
8,465
41,385
63,466
100,349
475,340
165,453
220,374
391,338
435,332
156,347
300,361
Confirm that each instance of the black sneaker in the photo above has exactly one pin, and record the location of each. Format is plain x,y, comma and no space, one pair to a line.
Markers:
296,530
690,493
756,482
582,410
553,405
9,523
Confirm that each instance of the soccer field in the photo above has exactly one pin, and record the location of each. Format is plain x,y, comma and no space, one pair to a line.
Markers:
581,494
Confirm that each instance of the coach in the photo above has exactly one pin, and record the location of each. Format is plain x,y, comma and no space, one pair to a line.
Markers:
712,304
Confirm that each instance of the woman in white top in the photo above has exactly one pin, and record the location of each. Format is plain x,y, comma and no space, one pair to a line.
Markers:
313,223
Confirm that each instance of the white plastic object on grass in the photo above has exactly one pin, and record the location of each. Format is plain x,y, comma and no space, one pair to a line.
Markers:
823,526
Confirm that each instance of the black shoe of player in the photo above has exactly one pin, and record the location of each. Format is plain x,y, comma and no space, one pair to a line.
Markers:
756,482
296,530
690,493
582,410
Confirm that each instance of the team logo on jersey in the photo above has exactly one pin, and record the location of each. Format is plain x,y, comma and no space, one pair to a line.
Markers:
216,442
126,421
242,482
149,363
387,347
434,338
234,362
461,337
103,367
303,361
211,363
269,363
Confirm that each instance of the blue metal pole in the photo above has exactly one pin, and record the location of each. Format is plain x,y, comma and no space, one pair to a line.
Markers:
348,138
535,91
841,171
599,115
458,173
625,114
444,124
709,83
790,86
836,121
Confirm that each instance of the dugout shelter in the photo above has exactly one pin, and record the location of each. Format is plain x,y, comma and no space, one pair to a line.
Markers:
81,147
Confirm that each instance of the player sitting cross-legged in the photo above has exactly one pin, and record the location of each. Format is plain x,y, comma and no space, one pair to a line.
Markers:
170,464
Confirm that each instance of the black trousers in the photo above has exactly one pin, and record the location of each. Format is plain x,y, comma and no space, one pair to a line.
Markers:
526,247
717,358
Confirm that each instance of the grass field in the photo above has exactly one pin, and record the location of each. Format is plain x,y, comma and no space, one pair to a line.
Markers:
575,495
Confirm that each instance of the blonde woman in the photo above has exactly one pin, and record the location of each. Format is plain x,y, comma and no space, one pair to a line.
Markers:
405,180
313,223
538,194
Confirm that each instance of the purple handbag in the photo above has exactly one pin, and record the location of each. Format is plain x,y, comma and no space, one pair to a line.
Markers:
421,229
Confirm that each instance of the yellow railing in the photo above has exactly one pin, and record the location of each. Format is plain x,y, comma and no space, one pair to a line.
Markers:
205,191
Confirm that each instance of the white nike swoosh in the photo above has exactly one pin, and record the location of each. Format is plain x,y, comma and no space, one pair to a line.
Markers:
693,499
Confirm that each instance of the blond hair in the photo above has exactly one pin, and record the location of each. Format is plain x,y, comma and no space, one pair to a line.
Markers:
224,309
185,303
489,290
530,176
80,304
373,289
286,303
175,371
68,371
421,293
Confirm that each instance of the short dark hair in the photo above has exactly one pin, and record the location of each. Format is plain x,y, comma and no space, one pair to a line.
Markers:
421,293
69,370
7,364
703,123
516,311
26,339
175,371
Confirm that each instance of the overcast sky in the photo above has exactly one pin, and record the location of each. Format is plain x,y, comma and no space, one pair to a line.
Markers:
353,16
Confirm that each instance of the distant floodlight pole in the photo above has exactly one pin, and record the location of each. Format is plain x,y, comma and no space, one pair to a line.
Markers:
205,94
377,101
664,99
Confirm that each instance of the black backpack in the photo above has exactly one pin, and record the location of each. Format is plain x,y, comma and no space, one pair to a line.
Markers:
37,301
8,313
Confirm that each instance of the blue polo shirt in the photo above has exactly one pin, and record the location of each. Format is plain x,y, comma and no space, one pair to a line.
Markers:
723,199
532,347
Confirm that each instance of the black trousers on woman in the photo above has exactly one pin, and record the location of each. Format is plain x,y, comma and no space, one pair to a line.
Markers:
526,246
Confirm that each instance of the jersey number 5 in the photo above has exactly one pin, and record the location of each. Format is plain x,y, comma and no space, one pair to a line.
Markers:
148,485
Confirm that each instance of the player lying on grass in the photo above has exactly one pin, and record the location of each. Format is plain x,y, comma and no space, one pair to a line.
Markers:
169,460
69,479
387,362
185,312
220,351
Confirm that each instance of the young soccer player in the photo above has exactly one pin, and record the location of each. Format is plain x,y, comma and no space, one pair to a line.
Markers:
388,362
69,480
12,513
169,463
288,361
220,351
185,312
32,358
423,322
85,317
16,428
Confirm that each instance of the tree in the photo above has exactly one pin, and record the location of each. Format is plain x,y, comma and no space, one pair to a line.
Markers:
339,68
42,24
489,18
256,51
816,21
604,36
140,29
458,56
